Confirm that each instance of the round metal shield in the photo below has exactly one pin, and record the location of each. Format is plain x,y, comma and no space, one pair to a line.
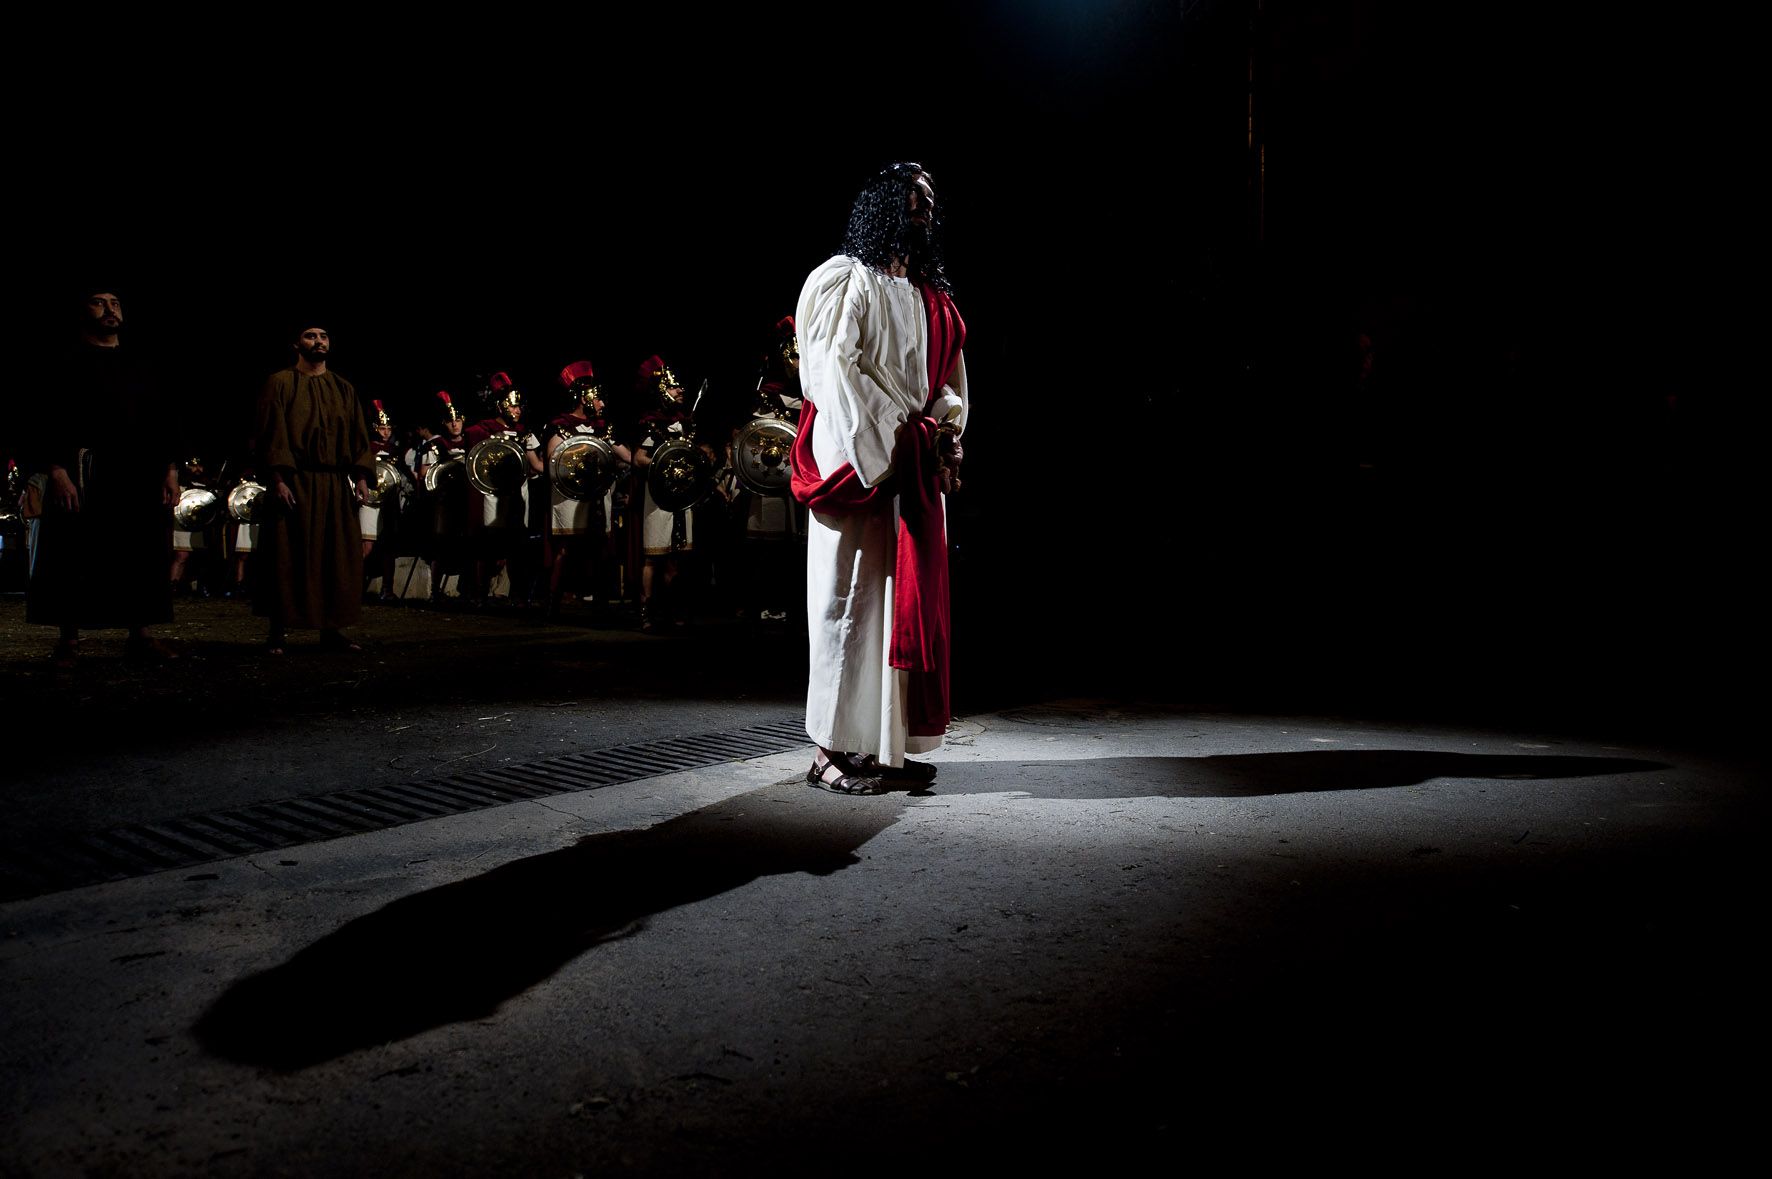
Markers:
583,467
760,455
389,479
497,466
245,500
447,473
196,507
680,475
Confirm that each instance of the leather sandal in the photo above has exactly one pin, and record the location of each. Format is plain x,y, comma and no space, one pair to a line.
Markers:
920,772
833,776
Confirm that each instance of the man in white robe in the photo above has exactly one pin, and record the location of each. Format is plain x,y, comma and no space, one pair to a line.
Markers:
865,340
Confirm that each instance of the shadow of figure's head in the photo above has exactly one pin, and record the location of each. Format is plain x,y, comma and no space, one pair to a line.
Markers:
1242,775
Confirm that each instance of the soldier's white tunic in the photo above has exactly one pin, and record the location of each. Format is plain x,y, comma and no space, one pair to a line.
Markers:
579,517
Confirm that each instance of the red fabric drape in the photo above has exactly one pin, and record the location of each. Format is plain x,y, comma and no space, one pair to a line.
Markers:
921,624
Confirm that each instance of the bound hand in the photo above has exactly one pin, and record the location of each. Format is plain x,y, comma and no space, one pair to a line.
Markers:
62,492
952,455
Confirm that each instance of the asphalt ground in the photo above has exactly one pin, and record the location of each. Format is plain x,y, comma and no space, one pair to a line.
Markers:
115,742
1125,931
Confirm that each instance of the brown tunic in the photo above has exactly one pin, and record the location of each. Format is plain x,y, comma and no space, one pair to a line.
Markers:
312,431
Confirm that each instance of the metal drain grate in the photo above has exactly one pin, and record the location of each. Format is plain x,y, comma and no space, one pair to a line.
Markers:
51,865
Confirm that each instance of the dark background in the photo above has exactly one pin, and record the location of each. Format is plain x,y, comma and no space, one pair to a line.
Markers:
1538,497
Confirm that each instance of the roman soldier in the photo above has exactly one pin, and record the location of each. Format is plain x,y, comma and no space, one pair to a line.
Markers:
666,532
583,487
196,528
774,570
503,534
380,520
451,496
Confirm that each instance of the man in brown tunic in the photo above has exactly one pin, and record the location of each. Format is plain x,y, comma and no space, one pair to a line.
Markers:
313,444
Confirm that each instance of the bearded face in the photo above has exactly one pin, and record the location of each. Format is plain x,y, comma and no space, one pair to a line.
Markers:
105,311
313,344
917,222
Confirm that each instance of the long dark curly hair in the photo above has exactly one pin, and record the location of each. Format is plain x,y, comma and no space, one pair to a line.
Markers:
881,229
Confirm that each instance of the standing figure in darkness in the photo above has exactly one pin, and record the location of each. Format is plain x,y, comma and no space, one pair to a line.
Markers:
579,529
666,536
313,446
244,532
501,533
194,473
105,444
774,526
452,501
878,448
380,522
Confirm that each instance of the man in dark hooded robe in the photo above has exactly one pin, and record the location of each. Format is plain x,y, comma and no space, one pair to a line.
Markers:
102,435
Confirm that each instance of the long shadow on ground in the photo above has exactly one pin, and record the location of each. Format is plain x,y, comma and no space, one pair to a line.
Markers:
456,952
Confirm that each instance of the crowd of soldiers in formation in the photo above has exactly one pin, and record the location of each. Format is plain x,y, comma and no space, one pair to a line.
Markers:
541,505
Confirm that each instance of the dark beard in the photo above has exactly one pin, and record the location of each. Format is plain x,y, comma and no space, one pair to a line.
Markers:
913,245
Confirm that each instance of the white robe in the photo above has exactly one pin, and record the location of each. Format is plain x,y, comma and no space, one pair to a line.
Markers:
864,345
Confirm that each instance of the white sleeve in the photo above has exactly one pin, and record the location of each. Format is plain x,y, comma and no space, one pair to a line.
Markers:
852,403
